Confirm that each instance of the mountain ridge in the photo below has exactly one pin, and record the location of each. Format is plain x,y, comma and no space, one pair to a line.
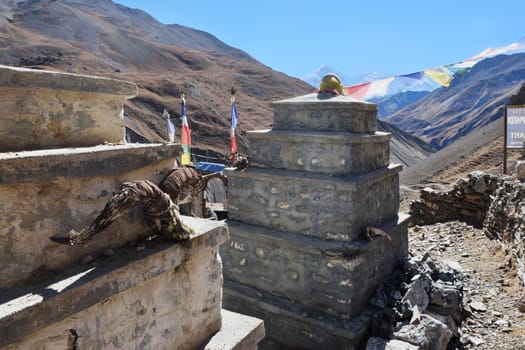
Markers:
99,37
470,102
101,43
395,92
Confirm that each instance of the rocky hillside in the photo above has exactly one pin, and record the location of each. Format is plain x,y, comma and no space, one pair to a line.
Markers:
405,148
471,102
99,37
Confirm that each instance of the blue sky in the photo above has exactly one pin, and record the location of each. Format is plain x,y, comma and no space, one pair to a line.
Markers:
353,37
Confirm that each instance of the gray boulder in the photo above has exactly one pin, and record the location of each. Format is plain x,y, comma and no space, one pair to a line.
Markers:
383,344
428,334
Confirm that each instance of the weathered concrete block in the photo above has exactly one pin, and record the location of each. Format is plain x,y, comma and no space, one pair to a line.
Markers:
43,109
48,193
323,112
337,154
167,296
312,204
333,278
238,332
291,326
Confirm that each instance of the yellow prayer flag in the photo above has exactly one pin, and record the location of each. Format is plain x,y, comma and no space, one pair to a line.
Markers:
441,77
186,159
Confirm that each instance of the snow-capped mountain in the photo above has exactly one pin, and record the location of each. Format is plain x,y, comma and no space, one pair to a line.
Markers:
314,78
392,93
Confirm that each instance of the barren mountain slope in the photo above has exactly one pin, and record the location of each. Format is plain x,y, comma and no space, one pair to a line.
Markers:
482,149
405,149
99,37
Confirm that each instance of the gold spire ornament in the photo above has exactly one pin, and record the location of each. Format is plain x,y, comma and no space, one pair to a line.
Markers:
331,84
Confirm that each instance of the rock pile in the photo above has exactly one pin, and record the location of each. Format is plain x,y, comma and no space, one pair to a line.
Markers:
419,308
495,203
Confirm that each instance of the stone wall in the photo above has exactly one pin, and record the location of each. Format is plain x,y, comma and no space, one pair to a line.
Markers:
494,202
312,205
468,200
505,220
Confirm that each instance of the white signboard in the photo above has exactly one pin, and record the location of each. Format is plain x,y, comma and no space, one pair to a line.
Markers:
515,126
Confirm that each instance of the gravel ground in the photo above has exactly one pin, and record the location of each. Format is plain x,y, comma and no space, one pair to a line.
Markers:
493,296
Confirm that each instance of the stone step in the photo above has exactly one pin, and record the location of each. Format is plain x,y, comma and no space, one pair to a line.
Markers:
314,204
330,276
69,163
337,154
238,332
127,296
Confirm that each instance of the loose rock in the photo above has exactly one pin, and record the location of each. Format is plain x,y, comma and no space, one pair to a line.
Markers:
478,306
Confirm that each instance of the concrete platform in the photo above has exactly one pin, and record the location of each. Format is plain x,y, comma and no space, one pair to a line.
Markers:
44,109
46,193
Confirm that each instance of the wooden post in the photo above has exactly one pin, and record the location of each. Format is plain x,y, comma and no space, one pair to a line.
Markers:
504,140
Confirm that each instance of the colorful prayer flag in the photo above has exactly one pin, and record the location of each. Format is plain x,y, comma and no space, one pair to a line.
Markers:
428,79
440,75
185,135
357,91
234,120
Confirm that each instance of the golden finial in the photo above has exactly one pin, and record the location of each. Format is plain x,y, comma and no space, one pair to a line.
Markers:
331,84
